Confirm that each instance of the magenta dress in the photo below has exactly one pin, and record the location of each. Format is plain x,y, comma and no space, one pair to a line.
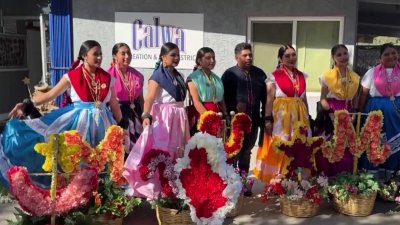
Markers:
344,165
336,101
128,91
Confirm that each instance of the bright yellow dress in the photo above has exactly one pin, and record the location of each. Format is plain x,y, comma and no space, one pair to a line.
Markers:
286,110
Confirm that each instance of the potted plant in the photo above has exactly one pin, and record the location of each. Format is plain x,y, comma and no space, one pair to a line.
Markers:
109,204
389,190
354,194
171,210
298,197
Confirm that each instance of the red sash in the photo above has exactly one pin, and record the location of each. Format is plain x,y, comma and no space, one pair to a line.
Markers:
81,86
285,84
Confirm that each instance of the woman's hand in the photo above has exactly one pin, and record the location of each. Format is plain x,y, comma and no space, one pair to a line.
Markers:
17,111
268,127
146,122
332,116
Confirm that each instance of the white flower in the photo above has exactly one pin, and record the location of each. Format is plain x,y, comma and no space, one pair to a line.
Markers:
305,184
275,181
322,181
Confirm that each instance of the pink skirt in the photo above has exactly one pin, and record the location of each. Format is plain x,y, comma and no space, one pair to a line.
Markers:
169,131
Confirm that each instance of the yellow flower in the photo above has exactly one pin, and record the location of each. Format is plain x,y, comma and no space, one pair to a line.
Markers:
67,157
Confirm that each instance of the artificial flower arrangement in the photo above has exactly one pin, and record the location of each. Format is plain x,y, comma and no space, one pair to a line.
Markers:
110,200
210,122
68,202
345,136
205,181
344,185
162,161
247,182
354,193
390,190
295,188
299,150
299,190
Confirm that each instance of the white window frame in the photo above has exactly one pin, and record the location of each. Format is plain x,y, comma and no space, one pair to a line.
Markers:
294,21
42,20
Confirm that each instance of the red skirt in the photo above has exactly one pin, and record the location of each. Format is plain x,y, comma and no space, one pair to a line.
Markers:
211,106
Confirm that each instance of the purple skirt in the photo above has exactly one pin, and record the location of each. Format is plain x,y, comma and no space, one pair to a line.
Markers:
322,163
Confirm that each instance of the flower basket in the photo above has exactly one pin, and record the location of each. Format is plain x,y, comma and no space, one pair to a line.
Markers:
168,216
106,220
302,208
235,211
355,205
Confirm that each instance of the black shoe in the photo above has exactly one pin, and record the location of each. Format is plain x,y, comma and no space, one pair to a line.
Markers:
248,194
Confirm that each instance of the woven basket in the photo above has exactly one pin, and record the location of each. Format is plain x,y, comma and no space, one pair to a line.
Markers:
167,216
235,211
302,208
106,220
356,205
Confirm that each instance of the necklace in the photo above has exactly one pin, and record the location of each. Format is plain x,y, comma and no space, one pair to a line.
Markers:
345,81
172,76
294,78
178,82
389,80
210,83
94,87
128,85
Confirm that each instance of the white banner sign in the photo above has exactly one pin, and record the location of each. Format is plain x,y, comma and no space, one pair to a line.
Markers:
145,33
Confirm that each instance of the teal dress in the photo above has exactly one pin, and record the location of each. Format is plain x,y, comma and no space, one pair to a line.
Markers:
209,90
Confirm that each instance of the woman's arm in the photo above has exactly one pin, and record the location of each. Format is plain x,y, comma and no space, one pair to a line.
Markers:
114,105
223,107
152,90
60,88
268,107
363,98
195,98
305,101
356,99
323,101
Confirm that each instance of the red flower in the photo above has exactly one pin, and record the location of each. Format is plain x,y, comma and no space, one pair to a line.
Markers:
210,199
278,189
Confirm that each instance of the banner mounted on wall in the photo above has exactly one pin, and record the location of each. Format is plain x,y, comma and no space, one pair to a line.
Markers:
145,33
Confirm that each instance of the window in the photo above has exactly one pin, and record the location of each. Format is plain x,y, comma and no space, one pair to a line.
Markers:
311,37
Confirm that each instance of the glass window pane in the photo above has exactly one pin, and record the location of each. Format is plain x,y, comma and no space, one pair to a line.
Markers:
267,39
314,42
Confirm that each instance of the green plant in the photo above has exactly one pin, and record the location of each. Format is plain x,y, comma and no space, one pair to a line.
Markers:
111,199
346,184
73,218
5,197
172,203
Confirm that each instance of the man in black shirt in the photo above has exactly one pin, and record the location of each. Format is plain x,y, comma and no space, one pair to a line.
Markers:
245,91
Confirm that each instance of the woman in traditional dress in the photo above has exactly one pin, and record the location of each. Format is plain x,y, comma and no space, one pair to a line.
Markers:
339,90
205,87
129,91
164,118
286,104
91,89
382,84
